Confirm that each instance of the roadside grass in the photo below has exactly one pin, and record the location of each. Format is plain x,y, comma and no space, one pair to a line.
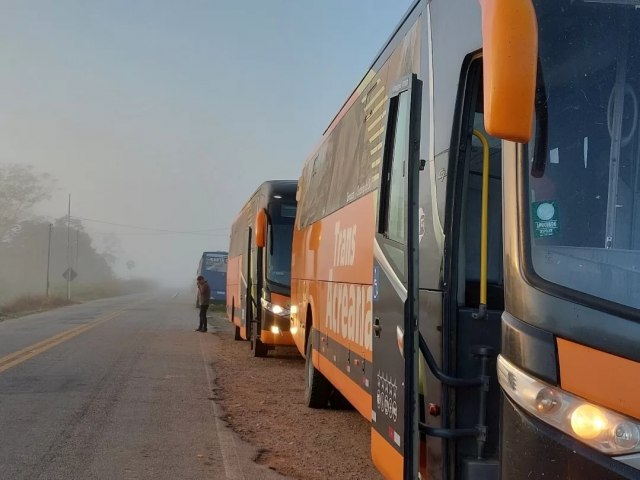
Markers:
217,307
33,303
25,304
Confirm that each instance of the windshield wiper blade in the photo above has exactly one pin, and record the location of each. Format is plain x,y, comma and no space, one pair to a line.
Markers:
542,127
615,2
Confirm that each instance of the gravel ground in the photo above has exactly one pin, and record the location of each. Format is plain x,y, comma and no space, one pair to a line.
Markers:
263,401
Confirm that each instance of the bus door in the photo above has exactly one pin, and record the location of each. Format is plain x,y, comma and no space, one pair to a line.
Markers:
473,300
394,344
246,294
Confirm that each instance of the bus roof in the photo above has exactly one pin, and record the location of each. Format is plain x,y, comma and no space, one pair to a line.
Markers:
375,60
277,186
269,188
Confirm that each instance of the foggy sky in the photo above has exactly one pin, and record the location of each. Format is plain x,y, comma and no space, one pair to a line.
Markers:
168,114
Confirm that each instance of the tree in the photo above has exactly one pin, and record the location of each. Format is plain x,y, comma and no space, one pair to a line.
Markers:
20,189
24,259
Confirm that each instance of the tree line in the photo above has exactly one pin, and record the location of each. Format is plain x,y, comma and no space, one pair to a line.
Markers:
25,248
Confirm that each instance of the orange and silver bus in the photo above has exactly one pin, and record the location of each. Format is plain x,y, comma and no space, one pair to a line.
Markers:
259,267
466,255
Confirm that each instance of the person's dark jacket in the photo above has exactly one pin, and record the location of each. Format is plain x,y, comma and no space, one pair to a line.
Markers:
204,291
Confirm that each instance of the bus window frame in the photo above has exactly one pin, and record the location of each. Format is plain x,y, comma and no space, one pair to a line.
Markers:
404,86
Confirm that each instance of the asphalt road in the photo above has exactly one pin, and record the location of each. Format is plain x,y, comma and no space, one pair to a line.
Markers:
115,389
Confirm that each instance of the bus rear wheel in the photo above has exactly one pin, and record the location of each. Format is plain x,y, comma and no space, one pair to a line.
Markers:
317,388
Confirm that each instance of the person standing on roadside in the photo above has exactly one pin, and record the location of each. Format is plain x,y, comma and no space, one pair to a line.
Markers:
204,293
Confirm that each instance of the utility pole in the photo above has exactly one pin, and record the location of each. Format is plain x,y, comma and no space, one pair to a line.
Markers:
69,250
77,242
49,257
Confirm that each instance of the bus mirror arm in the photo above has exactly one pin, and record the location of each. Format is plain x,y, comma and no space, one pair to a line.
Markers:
261,228
510,51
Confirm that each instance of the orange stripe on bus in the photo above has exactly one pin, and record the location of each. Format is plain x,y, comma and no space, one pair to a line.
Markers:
600,377
356,395
385,457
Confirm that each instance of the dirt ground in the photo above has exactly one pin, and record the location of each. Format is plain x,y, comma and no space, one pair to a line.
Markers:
263,400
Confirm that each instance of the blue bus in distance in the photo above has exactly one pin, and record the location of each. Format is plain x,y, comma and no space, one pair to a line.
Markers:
213,267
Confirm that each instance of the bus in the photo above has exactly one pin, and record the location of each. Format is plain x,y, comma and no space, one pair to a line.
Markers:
466,254
259,275
213,267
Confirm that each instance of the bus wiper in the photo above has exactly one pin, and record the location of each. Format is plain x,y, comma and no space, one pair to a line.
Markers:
271,240
632,3
542,127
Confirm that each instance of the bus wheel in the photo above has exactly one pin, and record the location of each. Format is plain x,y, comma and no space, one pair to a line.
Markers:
317,388
237,336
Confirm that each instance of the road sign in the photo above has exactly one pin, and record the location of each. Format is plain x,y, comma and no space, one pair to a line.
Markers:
69,274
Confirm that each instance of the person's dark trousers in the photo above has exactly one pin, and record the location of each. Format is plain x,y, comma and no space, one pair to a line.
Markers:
203,317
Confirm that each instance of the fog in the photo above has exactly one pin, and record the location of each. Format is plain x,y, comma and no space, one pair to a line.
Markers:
160,118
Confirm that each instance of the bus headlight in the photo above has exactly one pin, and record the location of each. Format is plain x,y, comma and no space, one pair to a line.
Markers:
274,308
600,428
588,422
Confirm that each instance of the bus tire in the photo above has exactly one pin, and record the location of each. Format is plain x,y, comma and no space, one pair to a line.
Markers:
237,335
317,388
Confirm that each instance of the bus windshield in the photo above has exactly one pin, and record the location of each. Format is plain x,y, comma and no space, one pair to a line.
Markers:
584,173
279,244
215,263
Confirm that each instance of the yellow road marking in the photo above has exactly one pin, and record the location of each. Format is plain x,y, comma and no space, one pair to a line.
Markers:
31,351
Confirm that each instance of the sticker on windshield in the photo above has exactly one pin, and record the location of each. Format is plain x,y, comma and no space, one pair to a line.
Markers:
545,219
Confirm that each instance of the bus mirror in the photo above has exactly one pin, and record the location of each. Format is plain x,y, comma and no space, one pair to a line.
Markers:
261,228
510,53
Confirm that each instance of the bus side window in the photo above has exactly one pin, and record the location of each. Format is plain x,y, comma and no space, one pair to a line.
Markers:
393,187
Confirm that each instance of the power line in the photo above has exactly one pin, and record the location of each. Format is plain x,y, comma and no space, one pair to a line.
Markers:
208,232
157,234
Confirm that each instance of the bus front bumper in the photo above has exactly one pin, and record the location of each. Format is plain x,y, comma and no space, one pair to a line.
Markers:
275,329
531,449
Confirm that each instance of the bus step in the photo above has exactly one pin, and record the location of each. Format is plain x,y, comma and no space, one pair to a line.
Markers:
480,469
